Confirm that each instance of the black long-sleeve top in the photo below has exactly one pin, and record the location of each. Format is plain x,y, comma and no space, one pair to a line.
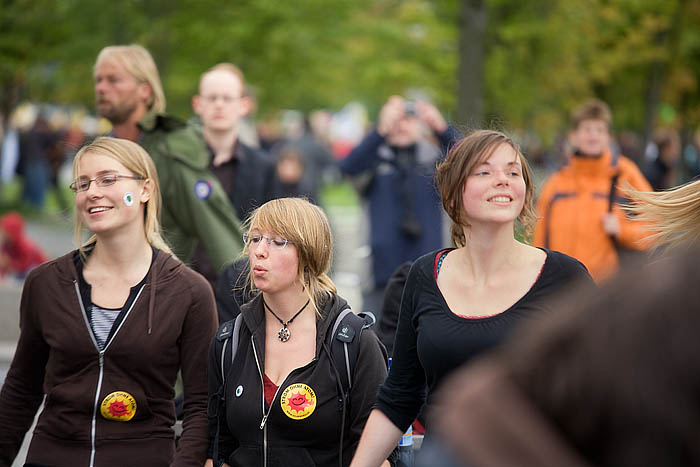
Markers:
431,341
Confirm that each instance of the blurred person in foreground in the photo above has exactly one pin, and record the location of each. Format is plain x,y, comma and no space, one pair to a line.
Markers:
279,400
105,330
580,207
246,174
196,210
611,380
18,253
397,162
459,302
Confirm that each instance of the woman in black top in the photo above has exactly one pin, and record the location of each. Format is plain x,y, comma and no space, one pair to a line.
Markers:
460,302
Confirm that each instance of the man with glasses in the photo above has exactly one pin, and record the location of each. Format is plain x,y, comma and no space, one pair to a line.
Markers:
196,210
246,174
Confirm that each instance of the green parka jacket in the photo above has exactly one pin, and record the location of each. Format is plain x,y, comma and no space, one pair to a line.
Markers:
195,206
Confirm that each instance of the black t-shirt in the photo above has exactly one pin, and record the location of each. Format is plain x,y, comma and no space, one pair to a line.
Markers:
431,341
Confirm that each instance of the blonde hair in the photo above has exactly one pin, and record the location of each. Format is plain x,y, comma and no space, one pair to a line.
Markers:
673,216
139,163
305,225
463,158
229,67
138,62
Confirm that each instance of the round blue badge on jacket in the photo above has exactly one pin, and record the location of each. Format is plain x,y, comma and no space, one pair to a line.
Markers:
202,189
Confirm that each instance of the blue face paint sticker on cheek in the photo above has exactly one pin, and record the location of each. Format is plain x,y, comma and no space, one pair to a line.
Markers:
128,198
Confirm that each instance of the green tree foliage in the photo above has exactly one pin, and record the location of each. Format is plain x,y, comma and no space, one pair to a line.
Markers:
542,57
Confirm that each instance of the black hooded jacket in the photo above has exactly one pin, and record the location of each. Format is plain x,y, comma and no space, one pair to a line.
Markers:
306,437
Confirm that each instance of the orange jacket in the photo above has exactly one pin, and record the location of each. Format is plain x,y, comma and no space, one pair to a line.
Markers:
571,207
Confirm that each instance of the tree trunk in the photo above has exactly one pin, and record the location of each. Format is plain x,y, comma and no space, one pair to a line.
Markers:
473,19
668,38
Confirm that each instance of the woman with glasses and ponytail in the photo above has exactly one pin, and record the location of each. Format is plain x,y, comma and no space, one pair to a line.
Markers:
105,330
279,395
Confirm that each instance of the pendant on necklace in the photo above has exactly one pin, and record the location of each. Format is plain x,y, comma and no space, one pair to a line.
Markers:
284,334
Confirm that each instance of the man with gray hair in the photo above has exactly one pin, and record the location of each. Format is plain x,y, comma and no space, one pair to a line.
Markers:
196,209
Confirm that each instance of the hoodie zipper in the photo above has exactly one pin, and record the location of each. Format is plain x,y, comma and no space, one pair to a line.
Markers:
101,360
263,422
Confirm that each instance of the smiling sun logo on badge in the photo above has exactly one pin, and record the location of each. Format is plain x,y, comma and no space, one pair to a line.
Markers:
119,406
298,401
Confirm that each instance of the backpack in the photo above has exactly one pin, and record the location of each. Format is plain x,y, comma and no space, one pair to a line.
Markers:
344,351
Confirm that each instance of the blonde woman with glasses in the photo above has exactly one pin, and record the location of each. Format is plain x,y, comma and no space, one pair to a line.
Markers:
105,330
279,399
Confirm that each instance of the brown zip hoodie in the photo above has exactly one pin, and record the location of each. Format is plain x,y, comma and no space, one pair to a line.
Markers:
168,327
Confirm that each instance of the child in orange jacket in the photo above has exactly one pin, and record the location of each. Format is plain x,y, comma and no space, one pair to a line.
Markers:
579,207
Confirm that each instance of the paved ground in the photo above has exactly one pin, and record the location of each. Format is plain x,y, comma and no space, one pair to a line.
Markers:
350,271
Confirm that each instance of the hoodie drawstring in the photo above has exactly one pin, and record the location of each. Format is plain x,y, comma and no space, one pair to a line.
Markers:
152,298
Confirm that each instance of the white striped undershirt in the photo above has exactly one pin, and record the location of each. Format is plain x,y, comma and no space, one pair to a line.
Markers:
102,322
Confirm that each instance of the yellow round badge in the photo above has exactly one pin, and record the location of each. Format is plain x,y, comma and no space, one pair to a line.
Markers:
119,406
298,401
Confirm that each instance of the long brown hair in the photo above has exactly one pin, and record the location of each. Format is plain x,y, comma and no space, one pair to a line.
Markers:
465,156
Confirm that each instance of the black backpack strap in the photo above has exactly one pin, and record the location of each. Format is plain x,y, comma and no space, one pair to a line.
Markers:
345,349
227,338
612,195
345,344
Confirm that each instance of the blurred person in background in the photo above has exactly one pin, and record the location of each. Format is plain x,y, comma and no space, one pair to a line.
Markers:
18,253
247,133
291,176
397,164
318,162
36,149
196,209
662,170
580,207
608,381
246,174
460,302
105,330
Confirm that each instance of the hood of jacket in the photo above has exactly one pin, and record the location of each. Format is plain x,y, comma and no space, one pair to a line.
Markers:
180,142
164,269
